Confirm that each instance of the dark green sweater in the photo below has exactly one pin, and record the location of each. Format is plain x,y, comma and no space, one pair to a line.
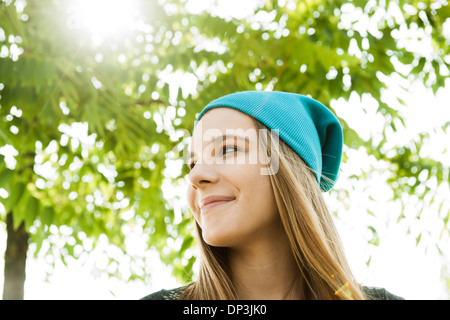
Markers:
372,293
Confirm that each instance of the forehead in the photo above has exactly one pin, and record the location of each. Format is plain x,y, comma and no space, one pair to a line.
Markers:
222,121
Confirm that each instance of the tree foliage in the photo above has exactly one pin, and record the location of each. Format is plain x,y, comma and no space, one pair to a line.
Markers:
54,78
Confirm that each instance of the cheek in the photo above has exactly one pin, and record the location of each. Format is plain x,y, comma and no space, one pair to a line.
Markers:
256,199
260,197
251,177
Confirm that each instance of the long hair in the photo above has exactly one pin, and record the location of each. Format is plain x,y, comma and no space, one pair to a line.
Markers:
322,267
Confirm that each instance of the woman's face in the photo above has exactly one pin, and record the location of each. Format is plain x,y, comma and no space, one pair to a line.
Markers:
230,168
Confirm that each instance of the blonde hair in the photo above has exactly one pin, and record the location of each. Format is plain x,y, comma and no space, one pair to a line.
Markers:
314,240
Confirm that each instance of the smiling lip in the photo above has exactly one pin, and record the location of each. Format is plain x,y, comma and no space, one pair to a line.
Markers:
212,202
213,205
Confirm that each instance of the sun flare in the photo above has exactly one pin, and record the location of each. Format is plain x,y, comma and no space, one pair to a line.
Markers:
104,19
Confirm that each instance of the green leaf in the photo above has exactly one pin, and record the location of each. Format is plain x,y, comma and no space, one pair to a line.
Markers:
371,212
406,57
19,209
419,67
418,238
186,243
368,261
31,211
15,195
4,139
5,177
401,101
375,238
446,217
6,70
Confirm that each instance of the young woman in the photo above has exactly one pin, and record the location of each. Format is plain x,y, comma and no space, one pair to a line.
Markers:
259,162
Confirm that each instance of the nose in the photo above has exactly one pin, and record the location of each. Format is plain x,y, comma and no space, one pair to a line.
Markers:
201,175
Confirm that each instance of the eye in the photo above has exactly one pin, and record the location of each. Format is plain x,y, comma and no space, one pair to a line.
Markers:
225,148
224,151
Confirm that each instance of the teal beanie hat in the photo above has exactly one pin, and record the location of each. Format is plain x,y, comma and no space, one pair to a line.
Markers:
304,124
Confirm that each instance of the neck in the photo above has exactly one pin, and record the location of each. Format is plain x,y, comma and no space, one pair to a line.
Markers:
265,271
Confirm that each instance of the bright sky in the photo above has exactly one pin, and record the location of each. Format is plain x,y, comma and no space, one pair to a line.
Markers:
396,264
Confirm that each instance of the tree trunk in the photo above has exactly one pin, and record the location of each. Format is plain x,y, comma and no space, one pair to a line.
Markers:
15,259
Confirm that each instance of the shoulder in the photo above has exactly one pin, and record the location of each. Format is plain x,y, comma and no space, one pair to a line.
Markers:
172,294
374,293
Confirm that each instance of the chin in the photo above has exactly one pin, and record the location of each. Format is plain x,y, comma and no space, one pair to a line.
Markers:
218,239
214,241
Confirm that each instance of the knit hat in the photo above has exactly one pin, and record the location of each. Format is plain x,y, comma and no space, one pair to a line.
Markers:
305,124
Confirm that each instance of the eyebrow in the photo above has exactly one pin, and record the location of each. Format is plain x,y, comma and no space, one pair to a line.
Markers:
221,138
